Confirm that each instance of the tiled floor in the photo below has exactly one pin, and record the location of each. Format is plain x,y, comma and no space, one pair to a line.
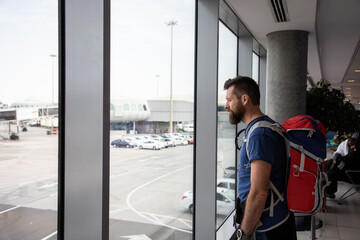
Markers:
341,222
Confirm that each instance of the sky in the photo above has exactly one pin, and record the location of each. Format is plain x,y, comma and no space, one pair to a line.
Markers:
140,49
28,36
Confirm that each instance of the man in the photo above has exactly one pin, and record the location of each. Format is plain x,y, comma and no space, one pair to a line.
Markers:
265,161
345,158
344,148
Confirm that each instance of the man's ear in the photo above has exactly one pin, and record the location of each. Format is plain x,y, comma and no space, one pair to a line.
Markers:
245,99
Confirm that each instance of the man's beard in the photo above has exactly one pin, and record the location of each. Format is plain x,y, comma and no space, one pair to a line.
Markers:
237,116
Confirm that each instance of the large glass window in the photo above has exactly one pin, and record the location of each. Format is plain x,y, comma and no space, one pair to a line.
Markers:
255,67
152,67
28,119
226,163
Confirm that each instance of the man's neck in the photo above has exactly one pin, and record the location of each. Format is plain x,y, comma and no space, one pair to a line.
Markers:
252,114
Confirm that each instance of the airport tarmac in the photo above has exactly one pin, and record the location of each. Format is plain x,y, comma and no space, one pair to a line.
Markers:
28,189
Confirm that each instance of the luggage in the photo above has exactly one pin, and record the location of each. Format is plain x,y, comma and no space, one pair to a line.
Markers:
306,140
307,180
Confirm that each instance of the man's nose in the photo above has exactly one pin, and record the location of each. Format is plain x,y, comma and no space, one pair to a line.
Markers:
227,105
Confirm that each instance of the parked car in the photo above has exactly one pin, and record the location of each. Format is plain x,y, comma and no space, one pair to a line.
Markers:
122,143
180,141
139,139
225,201
151,144
226,184
166,141
190,139
170,142
229,172
188,128
132,140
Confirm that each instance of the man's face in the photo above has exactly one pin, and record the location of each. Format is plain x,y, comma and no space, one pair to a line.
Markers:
234,106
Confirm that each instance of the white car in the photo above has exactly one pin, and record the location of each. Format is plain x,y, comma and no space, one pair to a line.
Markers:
132,141
180,141
188,128
166,141
225,184
136,140
225,201
229,172
151,144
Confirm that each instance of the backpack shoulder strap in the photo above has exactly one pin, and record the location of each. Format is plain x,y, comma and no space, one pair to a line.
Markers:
263,123
276,127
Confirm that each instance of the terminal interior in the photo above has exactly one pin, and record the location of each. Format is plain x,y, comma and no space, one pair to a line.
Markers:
79,75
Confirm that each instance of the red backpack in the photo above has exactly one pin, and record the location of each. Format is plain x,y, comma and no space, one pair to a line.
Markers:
306,140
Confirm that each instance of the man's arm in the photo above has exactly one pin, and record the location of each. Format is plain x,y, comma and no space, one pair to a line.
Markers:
255,203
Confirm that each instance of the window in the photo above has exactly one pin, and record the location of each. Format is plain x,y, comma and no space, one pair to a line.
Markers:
29,146
255,67
140,108
148,183
226,131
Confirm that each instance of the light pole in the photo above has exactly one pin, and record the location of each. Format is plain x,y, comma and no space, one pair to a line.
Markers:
157,84
172,23
53,56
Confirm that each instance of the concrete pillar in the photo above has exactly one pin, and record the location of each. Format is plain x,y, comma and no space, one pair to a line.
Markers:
286,74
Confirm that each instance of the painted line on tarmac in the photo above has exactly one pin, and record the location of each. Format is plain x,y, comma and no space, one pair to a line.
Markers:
142,215
10,209
184,221
49,236
48,185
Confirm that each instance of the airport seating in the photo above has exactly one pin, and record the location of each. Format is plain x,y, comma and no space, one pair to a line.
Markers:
354,180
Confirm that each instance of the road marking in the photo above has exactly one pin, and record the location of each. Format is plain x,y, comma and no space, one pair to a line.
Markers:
10,209
142,215
48,185
136,237
184,221
49,236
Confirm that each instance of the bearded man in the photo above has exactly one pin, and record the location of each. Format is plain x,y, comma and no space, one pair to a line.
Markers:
264,161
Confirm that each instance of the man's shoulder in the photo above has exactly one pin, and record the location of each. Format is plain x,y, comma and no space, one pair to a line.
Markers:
262,127
266,133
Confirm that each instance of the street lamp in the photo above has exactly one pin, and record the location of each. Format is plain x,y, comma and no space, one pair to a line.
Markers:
53,56
157,85
172,23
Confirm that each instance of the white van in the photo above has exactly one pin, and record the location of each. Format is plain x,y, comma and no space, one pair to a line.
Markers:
188,128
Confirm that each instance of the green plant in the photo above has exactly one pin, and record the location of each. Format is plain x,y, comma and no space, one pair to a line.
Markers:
330,107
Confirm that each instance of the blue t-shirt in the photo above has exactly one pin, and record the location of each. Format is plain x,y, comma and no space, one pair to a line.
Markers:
267,145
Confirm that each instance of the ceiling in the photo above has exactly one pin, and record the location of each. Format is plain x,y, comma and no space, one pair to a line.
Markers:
334,35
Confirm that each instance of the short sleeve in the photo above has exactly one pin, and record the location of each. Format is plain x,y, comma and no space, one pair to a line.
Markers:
262,145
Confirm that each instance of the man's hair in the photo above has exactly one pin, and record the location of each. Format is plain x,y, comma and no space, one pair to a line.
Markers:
244,85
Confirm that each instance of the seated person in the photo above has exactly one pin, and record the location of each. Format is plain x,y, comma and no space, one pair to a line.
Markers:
342,150
340,164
